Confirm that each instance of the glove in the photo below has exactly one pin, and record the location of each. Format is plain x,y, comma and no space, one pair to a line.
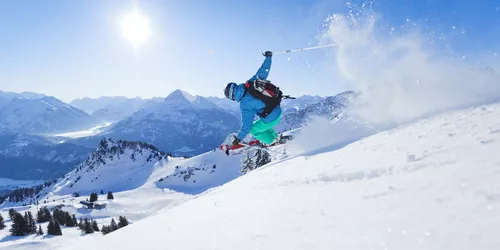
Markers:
236,141
267,53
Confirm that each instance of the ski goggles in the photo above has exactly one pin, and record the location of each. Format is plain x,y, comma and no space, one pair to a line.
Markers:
229,92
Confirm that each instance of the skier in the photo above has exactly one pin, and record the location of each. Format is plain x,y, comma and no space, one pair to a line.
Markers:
251,105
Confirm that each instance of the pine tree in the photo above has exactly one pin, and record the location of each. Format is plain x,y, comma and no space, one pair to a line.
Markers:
31,224
105,229
122,221
75,222
247,164
110,196
93,197
47,215
80,224
87,227
57,228
102,191
26,227
69,220
2,223
19,225
54,228
40,216
262,158
59,216
12,212
50,227
113,225
40,231
95,226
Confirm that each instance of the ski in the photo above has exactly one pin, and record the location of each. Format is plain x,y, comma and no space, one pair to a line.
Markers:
254,145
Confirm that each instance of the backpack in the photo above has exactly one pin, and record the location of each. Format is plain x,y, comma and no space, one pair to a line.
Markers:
267,92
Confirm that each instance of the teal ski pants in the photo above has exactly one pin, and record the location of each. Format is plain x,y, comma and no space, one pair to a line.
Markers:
264,132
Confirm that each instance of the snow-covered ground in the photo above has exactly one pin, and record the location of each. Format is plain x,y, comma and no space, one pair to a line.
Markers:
142,193
134,204
433,184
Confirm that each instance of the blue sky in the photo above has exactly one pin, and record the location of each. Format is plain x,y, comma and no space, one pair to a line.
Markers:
72,49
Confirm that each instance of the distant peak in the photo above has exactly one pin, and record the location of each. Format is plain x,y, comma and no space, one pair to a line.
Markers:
32,95
181,94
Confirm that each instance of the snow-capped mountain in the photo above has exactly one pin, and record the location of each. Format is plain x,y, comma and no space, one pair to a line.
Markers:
31,157
39,114
114,165
329,108
112,109
6,97
182,124
300,103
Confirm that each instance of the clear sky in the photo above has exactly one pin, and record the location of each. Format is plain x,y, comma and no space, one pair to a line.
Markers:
71,49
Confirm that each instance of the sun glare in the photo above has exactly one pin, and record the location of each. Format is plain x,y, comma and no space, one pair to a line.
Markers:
135,28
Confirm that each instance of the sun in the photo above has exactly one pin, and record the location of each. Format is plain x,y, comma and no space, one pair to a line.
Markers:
135,28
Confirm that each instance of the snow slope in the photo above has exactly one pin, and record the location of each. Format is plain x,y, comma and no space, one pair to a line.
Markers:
114,165
434,184
135,182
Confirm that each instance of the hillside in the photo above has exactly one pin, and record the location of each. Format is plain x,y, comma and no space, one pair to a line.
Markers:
413,187
114,165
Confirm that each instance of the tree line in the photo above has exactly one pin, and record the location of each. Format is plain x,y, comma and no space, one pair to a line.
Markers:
23,225
22,194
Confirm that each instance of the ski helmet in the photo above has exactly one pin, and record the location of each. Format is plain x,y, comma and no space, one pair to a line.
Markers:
229,90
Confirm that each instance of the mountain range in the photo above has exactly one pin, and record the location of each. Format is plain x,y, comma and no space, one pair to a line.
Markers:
34,157
39,114
113,109
181,124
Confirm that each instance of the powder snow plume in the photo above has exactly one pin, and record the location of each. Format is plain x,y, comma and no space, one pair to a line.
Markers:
400,76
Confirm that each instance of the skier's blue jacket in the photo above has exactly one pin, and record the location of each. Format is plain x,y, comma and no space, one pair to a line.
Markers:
251,106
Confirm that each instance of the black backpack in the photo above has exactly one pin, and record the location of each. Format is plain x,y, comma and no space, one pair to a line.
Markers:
267,92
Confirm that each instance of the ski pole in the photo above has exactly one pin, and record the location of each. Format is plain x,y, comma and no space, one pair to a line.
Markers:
302,49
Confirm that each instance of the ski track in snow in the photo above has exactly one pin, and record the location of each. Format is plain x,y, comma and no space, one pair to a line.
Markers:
433,184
